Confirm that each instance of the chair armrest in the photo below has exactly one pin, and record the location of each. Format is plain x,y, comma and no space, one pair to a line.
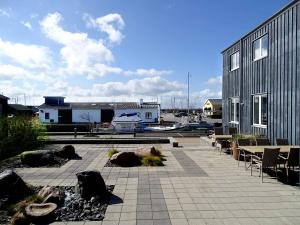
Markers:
282,157
256,157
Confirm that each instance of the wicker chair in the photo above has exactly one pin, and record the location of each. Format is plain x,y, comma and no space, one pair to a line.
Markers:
243,142
282,141
268,160
292,160
262,141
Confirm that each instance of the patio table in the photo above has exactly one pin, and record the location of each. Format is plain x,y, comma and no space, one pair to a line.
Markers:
260,149
222,137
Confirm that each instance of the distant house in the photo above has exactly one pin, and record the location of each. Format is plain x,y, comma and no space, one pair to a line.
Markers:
19,110
56,110
261,78
213,108
3,105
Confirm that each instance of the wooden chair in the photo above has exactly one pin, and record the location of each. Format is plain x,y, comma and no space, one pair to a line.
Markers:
282,141
243,142
292,160
268,160
232,130
262,141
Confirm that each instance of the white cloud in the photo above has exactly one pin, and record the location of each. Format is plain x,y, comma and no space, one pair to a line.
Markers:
32,56
110,24
215,80
81,54
26,24
5,12
150,86
148,72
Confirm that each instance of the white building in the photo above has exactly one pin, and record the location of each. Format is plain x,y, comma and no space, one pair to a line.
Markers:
55,110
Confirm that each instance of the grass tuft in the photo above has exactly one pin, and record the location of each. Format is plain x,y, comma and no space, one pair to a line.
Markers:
152,160
111,152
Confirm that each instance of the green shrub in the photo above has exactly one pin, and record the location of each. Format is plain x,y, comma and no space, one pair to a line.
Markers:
152,160
111,152
19,134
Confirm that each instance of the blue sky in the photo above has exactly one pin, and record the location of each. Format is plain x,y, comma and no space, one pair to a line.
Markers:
109,50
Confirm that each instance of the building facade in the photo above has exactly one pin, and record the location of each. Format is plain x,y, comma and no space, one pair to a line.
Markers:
213,108
3,105
56,110
261,78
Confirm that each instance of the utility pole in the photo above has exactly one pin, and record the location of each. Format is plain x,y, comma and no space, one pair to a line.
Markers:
188,100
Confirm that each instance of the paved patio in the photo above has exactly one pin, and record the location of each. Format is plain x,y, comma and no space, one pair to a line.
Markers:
197,186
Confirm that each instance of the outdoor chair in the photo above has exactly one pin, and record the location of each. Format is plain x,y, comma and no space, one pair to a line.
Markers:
232,130
243,142
225,146
282,141
262,141
218,130
292,160
269,159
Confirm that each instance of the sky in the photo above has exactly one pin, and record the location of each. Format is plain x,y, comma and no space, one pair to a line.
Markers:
121,50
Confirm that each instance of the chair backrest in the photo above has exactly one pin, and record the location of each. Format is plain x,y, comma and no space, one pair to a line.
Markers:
232,130
270,157
282,141
244,142
293,157
262,141
218,130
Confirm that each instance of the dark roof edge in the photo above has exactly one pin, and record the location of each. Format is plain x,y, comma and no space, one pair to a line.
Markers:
294,2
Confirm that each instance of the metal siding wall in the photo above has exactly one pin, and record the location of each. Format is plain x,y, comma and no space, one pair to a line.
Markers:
277,75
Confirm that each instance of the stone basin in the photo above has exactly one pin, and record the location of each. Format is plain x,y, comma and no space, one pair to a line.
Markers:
40,210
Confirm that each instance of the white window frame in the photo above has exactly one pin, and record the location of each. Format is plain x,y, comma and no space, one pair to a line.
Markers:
259,124
234,100
148,115
235,56
260,41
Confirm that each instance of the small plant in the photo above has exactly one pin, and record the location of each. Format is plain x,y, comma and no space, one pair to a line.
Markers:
150,160
111,152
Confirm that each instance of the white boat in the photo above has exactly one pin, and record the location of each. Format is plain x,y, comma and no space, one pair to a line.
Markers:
127,123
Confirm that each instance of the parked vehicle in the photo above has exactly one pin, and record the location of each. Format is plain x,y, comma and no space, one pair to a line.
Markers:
181,114
198,126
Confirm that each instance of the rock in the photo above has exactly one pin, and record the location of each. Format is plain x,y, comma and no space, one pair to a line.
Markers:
125,159
37,158
51,194
67,152
11,184
147,151
91,184
40,211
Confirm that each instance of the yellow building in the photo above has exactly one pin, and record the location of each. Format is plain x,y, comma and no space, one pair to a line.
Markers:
213,108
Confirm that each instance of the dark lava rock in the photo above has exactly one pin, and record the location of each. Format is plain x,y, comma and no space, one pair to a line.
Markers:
125,159
67,152
11,184
91,184
37,158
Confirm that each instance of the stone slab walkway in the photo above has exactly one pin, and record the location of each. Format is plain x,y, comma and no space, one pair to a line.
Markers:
197,186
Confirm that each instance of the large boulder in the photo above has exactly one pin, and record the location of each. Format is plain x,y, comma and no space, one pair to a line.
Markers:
51,194
147,151
67,152
125,159
11,184
91,184
37,158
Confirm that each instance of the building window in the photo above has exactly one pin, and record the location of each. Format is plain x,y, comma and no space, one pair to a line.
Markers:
235,61
260,104
148,115
47,116
234,104
260,47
